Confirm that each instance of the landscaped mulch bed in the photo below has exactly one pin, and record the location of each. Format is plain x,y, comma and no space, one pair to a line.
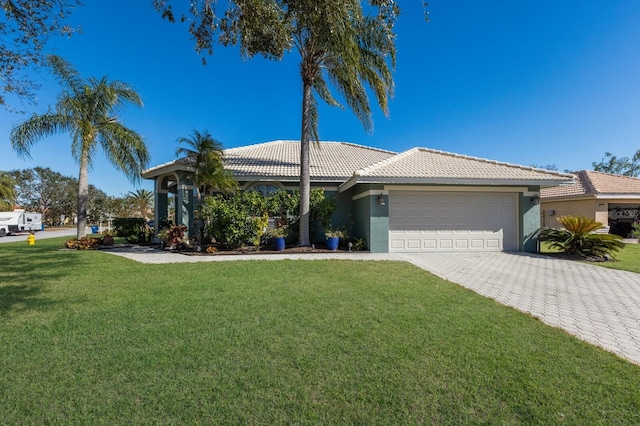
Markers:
579,258
253,251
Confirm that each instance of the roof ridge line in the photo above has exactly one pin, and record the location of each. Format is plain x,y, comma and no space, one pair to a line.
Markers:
278,141
384,162
500,163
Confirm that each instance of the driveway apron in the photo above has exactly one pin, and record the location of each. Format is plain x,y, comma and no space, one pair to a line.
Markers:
596,304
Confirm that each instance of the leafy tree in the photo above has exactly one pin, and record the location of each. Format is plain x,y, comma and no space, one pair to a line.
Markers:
626,166
87,109
205,154
336,40
7,192
52,194
579,238
25,26
118,207
142,201
97,204
45,191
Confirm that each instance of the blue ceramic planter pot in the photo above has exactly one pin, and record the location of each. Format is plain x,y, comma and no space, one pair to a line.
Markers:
278,243
332,243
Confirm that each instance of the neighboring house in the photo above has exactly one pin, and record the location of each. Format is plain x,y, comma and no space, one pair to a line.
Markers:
420,200
613,200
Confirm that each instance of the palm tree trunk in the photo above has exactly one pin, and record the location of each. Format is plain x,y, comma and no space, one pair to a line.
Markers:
83,193
305,177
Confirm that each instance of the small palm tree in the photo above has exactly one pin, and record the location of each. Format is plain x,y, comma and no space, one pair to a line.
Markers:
580,238
7,192
205,154
87,109
142,200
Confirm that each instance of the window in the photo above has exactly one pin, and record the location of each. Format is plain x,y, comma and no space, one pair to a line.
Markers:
266,189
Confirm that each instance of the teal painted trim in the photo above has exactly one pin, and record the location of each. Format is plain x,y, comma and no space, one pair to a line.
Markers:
362,220
371,220
379,228
529,223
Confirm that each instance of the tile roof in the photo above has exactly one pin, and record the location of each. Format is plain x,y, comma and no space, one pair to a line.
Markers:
328,160
591,183
351,163
426,163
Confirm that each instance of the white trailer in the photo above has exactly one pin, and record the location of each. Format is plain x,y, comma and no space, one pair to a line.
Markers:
19,221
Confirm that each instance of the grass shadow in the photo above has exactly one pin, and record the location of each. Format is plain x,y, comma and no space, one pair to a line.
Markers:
28,274
22,298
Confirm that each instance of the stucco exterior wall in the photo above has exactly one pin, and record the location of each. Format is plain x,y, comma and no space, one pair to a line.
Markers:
586,208
370,219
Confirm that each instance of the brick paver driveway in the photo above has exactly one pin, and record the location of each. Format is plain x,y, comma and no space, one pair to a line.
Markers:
596,304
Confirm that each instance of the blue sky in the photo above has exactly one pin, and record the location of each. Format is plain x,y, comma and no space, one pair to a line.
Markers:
543,82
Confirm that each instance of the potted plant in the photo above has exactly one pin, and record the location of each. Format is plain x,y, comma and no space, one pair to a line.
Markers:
107,238
333,238
278,234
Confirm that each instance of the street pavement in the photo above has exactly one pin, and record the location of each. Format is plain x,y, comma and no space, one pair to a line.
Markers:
63,232
596,304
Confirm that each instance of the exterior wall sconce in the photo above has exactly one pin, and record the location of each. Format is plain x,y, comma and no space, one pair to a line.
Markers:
381,200
535,199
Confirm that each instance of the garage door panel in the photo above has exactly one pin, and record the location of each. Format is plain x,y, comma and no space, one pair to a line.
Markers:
445,244
462,244
413,243
476,243
430,221
494,243
429,244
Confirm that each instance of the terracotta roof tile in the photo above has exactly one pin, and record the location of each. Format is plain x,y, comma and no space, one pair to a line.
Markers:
592,183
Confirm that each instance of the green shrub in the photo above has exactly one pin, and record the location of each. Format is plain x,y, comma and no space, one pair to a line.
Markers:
240,218
230,219
321,209
133,229
579,238
359,244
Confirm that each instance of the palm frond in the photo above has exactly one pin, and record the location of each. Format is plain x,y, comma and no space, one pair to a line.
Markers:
125,149
24,135
65,73
579,224
579,237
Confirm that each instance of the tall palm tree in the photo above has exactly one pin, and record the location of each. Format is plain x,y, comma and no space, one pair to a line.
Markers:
337,43
87,109
7,192
205,154
142,199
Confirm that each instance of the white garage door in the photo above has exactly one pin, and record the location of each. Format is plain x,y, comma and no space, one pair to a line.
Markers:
430,221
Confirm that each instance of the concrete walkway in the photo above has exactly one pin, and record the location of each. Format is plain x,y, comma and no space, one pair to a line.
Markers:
596,304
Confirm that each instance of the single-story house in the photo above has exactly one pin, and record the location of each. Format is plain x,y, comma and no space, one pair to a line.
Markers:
612,200
420,200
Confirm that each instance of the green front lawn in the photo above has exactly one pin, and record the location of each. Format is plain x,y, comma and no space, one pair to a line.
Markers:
90,338
628,259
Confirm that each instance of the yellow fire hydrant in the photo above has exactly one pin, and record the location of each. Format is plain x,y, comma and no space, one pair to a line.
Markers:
31,239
